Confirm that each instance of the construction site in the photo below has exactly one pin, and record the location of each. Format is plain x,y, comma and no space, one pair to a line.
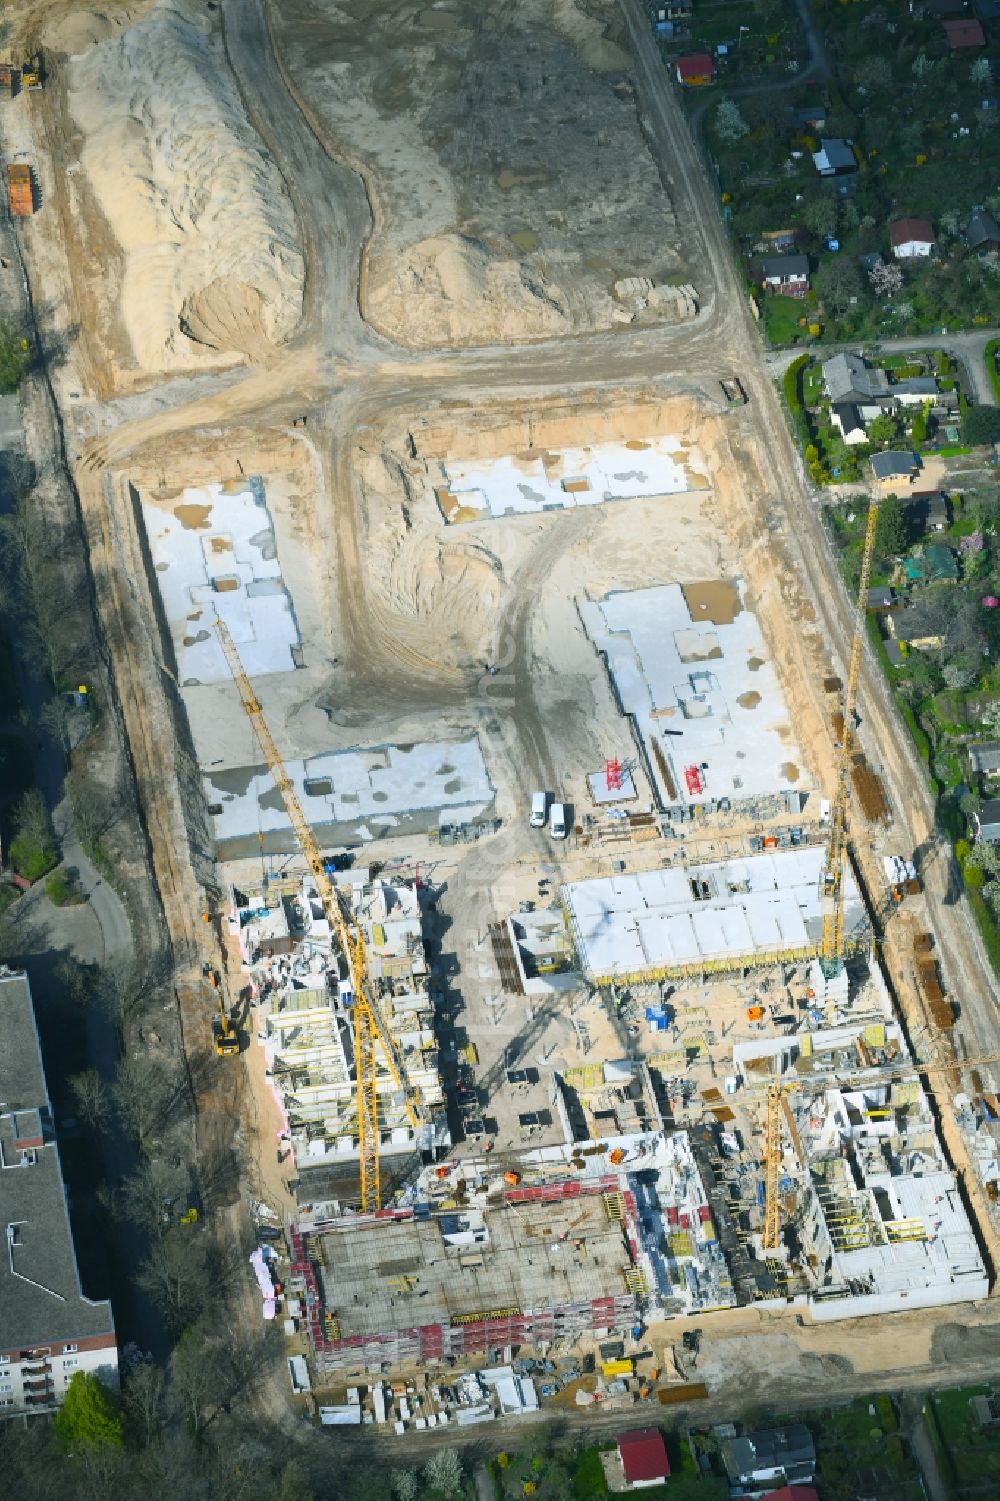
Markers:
385,555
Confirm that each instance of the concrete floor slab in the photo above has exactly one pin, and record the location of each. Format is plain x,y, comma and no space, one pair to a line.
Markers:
214,555
703,693
566,478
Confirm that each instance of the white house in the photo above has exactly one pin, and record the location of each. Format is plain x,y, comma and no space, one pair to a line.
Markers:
847,419
911,238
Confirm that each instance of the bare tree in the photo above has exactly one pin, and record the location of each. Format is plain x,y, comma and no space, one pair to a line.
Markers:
77,981
177,1275
145,1090
143,1397
151,1195
96,808
31,818
127,987
197,1381
90,1098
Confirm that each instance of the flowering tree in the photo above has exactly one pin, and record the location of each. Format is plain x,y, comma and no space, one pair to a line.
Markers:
886,279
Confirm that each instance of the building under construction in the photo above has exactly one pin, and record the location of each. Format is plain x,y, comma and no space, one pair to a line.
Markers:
697,920
305,1024
475,1263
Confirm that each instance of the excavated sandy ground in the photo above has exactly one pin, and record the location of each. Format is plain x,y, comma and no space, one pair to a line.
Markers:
508,173
208,252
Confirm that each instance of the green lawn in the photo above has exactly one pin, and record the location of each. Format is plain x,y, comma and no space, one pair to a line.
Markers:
781,319
860,1453
974,1454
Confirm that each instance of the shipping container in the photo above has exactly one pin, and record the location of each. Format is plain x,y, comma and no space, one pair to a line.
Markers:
20,196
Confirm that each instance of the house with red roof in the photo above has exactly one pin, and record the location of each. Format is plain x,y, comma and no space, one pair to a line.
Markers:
642,1455
911,238
695,69
793,1493
964,35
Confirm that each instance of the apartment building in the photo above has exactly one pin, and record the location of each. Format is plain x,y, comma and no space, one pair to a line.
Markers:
49,1329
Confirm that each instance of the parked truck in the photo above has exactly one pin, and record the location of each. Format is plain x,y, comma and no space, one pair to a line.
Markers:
20,194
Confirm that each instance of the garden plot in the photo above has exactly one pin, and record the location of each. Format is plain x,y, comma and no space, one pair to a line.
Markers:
526,484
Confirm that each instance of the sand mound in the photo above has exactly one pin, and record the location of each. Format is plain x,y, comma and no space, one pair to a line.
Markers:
212,262
76,32
586,33
448,284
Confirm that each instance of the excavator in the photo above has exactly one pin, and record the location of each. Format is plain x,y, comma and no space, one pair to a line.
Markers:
224,1033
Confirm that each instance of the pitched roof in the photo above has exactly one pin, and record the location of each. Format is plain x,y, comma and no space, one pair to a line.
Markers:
695,65
848,415
983,229
643,1455
985,756
916,385
888,465
848,378
785,265
793,1493
905,230
837,154
964,33
785,1449
988,819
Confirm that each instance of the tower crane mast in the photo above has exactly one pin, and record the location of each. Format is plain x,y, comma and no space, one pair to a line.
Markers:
369,1025
777,1102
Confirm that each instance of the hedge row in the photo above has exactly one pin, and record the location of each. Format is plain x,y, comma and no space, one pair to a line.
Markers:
791,386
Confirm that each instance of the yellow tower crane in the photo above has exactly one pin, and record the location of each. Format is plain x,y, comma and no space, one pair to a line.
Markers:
777,1103
370,1028
832,953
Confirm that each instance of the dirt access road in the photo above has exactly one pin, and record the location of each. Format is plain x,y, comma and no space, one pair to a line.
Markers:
346,378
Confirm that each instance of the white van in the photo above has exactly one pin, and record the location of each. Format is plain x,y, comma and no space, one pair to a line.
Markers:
539,808
557,820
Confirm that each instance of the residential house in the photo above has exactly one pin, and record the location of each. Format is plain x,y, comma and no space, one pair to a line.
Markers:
984,759
986,1410
880,599
929,510
982,232
835,158
964,35
642,1455
778,240
986,823
793,1493
911,239
808,117
932,563
673,10
756,1459
895,470
695,69
49,1329
849,380
916,390
788,274
909,628
846,418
